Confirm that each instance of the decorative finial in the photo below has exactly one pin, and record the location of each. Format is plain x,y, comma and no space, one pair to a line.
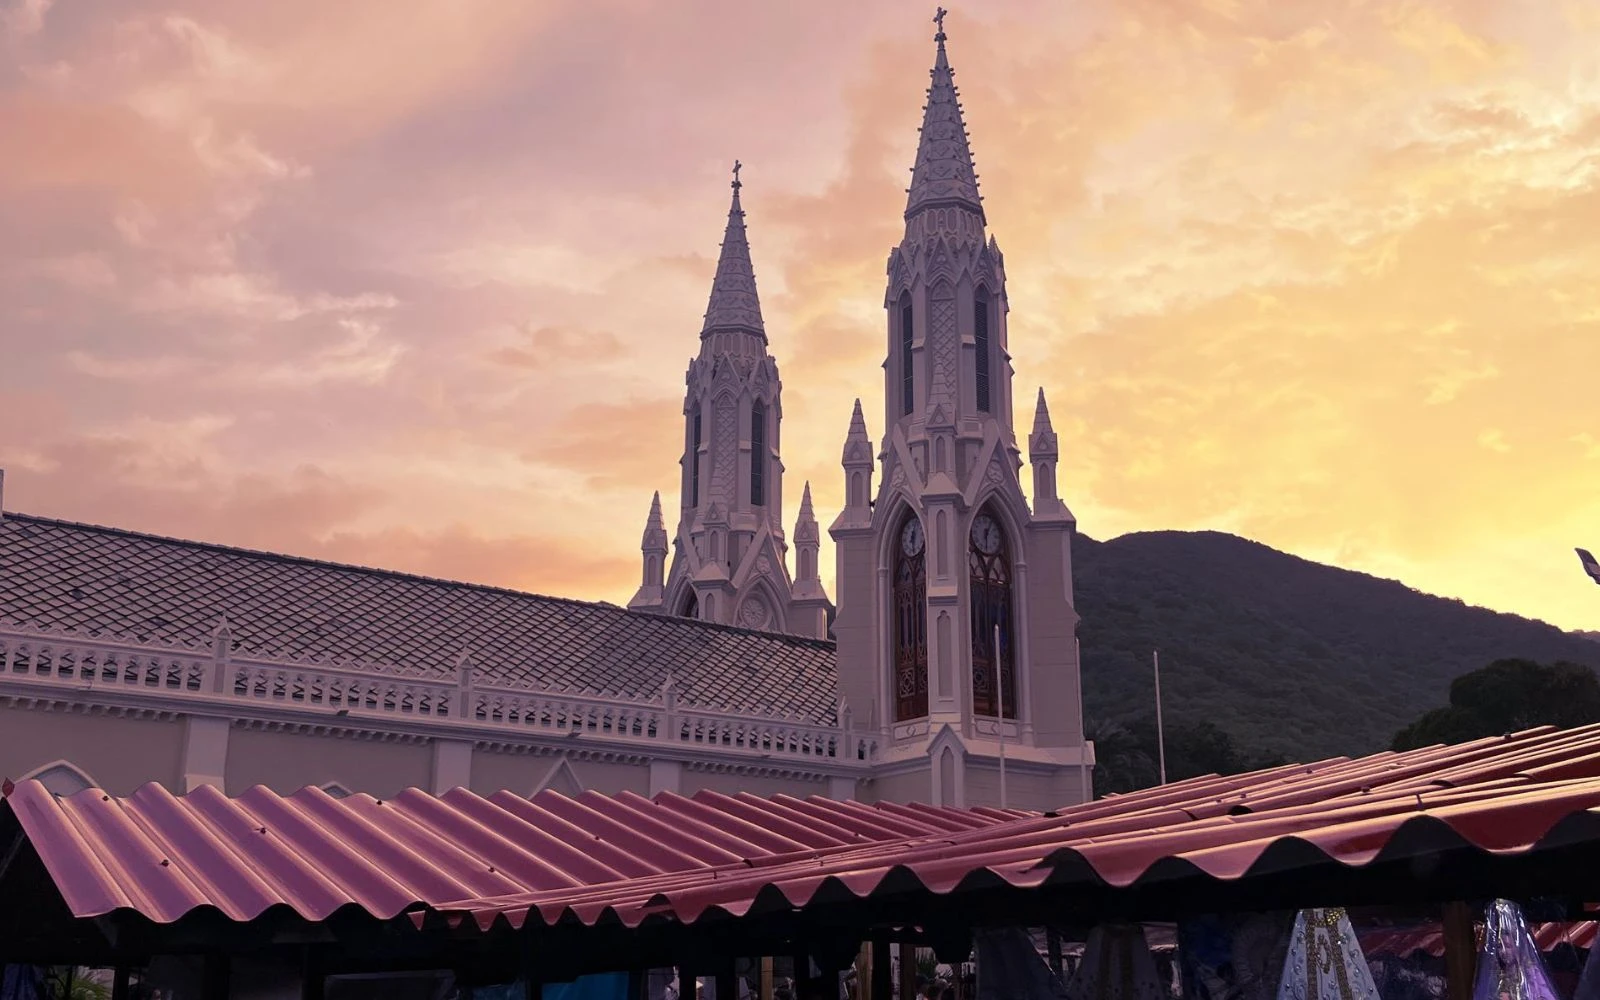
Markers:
938,19
737,166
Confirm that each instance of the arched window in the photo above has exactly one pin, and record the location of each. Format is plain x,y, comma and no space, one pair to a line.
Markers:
910,621
980,346
758,454
994,675
694,460
908,372
691,606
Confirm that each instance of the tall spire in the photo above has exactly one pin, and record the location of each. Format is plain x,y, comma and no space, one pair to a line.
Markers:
734,305
944,174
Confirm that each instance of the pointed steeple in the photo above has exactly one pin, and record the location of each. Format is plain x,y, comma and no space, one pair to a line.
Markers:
857,446
653,546
807,521
944,174
734,305
1042,442
655,530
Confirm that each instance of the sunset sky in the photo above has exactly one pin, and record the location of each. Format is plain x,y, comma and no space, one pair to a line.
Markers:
414,284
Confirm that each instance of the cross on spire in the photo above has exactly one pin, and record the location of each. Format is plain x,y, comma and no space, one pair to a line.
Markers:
938,19
737,166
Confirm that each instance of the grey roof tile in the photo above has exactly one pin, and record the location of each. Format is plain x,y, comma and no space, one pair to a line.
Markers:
105,581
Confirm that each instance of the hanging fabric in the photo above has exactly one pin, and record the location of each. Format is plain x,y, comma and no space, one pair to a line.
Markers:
1117,965
1325,961
1509,964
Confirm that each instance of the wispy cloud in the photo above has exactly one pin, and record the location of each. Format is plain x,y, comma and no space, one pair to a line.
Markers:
1317,272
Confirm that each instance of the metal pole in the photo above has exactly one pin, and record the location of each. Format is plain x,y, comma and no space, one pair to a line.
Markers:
1161,736
1083,740
1000,690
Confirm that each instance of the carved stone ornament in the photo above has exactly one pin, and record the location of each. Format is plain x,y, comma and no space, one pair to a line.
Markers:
754,613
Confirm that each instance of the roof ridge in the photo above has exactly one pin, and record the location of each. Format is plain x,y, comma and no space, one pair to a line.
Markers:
784,637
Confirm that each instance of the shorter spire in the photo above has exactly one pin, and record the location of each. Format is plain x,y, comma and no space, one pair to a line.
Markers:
1042,442
655,530
805,525
857,446
734,304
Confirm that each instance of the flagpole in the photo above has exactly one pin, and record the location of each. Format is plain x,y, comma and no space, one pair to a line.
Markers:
1083,739
1161,737
1000,690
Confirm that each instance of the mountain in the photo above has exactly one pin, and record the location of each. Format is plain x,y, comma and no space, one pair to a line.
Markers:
1287,656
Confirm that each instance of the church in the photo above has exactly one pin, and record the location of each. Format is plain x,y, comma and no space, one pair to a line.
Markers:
944,671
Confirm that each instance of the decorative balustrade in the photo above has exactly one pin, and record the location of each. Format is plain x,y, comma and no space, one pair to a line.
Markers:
92,663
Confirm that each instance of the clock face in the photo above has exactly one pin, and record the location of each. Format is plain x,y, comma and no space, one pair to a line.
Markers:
911,537
986,535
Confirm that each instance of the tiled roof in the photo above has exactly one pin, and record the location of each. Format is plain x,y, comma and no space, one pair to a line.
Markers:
113,583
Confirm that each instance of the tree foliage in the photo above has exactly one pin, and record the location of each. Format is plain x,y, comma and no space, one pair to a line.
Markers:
1128,756
1284,657
1504,697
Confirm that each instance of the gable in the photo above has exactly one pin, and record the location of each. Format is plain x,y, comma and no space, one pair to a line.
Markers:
118,584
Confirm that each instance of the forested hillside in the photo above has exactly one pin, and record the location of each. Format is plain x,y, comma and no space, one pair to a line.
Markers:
1287,657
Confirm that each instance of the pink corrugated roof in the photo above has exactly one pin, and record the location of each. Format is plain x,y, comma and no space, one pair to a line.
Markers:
164,855
628,858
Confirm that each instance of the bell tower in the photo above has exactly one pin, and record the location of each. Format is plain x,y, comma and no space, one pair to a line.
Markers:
956,628
729,556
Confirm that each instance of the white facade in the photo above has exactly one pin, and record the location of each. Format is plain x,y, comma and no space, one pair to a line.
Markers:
956,631
729,561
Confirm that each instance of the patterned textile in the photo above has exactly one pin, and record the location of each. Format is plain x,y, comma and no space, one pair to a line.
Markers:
1325,961
1117,965
1234,957
1509,966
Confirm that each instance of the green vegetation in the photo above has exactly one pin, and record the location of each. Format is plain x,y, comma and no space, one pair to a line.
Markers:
1268,657
1504,697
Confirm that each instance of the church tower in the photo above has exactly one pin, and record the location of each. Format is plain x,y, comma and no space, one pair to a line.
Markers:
956,630
729,557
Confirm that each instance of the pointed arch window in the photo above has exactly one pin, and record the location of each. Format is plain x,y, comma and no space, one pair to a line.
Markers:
910,621
758,454
908,372
694,460
994,684
980,344
691,606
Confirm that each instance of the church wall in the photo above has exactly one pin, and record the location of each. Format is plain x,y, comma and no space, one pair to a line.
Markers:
493,771
1024,789
611,777
912,786
732,784
1053,677
287,762
854,628
119,754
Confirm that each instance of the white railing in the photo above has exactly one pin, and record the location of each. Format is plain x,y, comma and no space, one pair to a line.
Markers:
92,663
